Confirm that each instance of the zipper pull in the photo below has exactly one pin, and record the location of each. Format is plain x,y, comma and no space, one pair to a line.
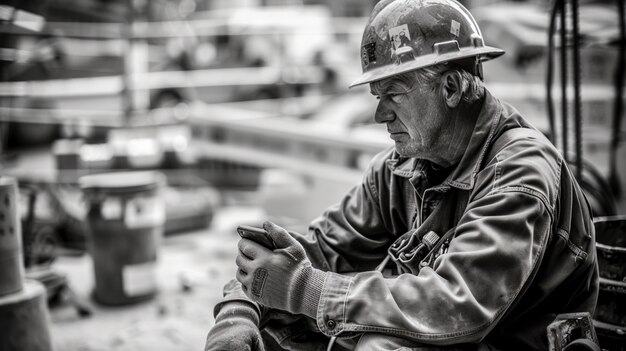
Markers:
442,250
444,247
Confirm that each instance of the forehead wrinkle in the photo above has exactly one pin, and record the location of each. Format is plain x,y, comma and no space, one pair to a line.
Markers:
385,85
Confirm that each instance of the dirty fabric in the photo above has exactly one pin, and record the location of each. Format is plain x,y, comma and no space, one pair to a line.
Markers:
521,248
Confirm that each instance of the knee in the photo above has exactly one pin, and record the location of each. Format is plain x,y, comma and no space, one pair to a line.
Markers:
381,342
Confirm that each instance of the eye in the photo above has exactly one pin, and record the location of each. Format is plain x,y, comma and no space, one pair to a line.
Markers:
394,97
397,98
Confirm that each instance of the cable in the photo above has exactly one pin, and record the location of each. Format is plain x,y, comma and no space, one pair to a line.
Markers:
577,108
331,343
618,103
550,69
564,72
597,190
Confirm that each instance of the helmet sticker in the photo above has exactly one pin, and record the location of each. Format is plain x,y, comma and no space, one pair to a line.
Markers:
404,35
368,53
400,36
455,27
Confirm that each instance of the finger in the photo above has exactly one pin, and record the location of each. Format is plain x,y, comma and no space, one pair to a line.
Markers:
252,249
242,262
242,278
279,235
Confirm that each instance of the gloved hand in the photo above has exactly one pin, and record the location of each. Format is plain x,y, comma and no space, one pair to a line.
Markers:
282,278
236,328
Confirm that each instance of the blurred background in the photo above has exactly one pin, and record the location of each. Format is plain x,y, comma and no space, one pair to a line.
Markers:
195,116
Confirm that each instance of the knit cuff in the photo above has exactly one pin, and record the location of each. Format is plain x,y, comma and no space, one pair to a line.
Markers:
311,285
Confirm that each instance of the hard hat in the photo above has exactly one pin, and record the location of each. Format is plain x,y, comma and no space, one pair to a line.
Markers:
404,35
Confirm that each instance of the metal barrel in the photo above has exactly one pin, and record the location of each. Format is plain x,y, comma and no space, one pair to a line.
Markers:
611,247
24,319
125,222
611,306
611,337
610,314
11,261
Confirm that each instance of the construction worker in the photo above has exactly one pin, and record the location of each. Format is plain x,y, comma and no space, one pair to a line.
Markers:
469,234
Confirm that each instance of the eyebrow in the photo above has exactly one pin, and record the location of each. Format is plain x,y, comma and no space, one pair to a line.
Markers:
372,86
383,87
387,88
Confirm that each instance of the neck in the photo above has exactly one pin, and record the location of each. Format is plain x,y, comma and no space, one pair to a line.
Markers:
462,123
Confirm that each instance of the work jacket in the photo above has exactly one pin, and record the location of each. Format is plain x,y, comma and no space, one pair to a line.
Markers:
514,245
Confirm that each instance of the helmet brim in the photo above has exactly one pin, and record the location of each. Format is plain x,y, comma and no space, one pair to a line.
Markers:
484,53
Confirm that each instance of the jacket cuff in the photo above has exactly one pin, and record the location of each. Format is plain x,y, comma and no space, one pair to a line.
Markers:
331,311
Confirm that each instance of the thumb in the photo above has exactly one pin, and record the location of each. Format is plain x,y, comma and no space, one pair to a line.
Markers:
279,235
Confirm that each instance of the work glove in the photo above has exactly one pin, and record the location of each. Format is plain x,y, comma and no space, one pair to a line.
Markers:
236,329
280,278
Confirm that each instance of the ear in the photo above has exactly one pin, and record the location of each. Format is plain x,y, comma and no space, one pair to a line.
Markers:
451,88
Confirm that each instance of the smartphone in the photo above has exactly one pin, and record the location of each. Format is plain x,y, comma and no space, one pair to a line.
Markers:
257,235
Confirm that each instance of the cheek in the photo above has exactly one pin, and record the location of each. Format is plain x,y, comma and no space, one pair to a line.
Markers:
425,124
433,118
418,121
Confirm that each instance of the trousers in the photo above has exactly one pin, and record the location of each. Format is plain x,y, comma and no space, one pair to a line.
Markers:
364,342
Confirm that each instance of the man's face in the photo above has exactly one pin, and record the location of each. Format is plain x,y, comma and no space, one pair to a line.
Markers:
416,119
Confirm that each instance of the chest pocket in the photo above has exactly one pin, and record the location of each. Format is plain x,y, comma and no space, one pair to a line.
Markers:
420,246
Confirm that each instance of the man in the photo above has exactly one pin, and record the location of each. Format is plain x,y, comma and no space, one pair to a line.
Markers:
470,234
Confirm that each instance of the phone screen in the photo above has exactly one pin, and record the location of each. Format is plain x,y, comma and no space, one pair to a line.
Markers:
257,235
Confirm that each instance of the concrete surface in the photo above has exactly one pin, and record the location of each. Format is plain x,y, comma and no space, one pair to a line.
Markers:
175,319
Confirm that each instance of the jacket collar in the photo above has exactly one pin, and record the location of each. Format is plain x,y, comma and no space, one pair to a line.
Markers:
464,174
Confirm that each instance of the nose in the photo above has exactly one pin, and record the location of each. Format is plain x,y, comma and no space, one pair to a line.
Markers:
383,113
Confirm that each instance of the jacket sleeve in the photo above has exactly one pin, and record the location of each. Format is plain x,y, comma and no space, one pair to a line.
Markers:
348,237
494,255
351,235
234,293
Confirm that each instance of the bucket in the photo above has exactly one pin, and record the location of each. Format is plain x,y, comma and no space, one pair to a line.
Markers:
125,219
11,261
24,319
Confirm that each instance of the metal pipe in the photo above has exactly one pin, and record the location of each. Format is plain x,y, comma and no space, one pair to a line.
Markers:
549,71
618,105
564,72
577,107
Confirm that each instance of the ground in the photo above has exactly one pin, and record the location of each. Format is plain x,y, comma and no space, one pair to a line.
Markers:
176,319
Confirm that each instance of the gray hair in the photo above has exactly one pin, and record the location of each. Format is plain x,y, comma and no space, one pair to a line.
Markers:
430,78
